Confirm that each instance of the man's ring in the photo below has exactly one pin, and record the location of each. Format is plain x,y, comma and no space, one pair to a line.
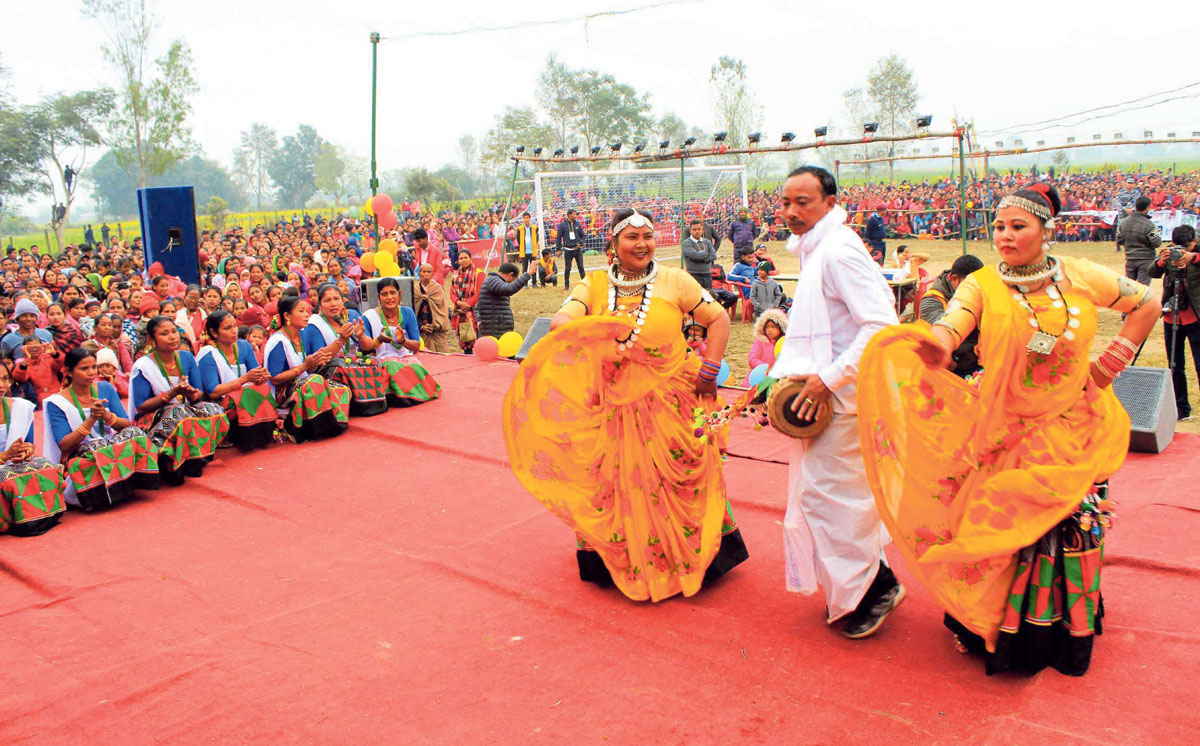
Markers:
807,400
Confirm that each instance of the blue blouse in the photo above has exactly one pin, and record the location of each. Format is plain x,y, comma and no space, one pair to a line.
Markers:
408,321
312,338
142,390
60,428
210,373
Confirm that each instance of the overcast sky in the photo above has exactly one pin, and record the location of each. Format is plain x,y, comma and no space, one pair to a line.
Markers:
287,62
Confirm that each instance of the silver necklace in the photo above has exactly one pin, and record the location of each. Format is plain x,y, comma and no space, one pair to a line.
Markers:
1024,278
619,286
1042,342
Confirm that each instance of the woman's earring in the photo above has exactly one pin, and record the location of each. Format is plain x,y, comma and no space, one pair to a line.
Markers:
1045,245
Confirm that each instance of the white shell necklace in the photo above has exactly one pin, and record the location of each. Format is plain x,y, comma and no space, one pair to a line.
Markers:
624,287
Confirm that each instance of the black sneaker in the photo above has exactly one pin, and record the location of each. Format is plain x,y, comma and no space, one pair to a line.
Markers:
866,622
1185,417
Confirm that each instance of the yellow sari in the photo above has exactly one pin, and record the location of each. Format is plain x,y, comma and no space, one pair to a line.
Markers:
966,476
604,437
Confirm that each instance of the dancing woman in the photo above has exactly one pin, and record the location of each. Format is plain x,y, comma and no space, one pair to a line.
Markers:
599,424
86,428
231,376
164,392
995,493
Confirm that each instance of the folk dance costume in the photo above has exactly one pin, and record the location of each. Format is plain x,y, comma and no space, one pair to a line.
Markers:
31,491
185,434
833,537
598,424
108,465
311,406
408,381
991,489
367,382
250,409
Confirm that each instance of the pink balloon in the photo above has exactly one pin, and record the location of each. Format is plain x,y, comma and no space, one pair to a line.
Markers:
487,349
381,204
388,220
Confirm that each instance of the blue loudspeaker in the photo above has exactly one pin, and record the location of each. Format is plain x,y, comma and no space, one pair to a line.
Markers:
168,217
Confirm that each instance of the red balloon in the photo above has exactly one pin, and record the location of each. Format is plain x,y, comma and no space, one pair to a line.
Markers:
487,349
381,204
388,220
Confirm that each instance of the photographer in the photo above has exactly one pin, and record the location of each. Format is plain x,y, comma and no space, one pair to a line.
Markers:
1179,266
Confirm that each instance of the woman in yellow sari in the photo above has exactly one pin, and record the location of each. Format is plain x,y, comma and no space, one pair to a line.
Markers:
599,425
994,491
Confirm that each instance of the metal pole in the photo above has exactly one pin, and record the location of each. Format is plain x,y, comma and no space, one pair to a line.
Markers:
682,206
962,192
987,175
374,70
499,236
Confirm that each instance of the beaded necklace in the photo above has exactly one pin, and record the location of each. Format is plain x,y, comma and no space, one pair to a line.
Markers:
1042,342
619,286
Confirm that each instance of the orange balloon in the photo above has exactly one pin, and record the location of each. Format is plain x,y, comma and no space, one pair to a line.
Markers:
367,262
389,245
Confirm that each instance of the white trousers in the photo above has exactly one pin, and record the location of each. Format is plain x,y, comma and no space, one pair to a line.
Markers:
832,534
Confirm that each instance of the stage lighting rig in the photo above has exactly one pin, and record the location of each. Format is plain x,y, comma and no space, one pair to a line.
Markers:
924,121
664,144
870,128
537,151
639,147
754,138
558,153
574,150
615,147
689,142
820,132
520,149
787,137
595,150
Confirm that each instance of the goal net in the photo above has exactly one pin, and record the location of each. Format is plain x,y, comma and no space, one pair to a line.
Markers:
712,193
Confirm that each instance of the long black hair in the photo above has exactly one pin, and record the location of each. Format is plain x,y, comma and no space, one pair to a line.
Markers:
213,323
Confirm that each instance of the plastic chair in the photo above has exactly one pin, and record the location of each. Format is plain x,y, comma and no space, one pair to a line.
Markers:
747,306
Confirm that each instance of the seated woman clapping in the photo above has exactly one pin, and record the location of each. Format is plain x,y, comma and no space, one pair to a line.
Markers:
231,376
340,333
165,393
87,429
31,488
395,338
312,407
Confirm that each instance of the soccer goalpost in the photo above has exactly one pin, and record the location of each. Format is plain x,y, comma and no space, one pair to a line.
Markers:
673,196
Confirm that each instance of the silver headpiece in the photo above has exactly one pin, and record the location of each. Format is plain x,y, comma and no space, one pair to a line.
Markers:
1028,205
637,220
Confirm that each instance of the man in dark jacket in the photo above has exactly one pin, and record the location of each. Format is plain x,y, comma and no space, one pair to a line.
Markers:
494,309
876,233
570,242
742,232
1179,266
698,255
1140,238
937,297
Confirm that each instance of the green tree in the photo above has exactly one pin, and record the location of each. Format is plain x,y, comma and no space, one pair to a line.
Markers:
293,167
893,91
514,126
116,196
468,155
19,161
217,210
860,109
734,107
329,173
62,126
148,129
420,183
252,158
608,111
555,93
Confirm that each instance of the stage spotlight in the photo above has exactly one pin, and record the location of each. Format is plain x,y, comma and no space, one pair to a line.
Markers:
720,136
924,121
1147,133
936,151
870,128
689,142
1117,135
664,144
615,147
1097,136
639,147
787,137
821,131
558,153
520,148
999,143
1195,133
754,138
595,150
1171,135
1040,143
537,151
916,151
1070,140
1018,143
574,150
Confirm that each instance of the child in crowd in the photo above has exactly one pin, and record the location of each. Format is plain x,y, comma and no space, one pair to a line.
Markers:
768,330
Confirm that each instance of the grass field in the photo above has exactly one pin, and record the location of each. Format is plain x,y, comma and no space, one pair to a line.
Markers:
533,302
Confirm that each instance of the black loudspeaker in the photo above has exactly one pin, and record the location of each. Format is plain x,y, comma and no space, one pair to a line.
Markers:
1149,397
540,328
370,292
168,218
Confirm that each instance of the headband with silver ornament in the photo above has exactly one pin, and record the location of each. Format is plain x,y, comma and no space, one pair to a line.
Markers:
1028,205
637,220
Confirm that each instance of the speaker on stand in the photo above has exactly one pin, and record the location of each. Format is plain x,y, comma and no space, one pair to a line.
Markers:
1149,398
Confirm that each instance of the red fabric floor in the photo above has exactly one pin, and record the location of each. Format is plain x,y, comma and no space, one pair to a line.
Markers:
397,586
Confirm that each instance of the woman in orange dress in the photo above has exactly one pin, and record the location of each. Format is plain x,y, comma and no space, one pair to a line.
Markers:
995,491
599,424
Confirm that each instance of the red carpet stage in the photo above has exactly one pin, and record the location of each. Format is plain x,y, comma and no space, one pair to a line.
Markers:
397,586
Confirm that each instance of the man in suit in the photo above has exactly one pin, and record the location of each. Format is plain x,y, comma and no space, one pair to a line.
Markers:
528,242
699,255
570,242
876,233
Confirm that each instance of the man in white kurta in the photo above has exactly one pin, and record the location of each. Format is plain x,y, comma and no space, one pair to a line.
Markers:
833,537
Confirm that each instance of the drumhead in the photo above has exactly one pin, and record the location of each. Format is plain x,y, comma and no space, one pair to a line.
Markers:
783,419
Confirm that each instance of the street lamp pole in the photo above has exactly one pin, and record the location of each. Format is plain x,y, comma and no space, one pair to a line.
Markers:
374,68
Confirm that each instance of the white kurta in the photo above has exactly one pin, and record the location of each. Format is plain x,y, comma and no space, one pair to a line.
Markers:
833,537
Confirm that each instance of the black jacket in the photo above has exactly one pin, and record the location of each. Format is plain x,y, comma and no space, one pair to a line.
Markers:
1191,283
1139,235
494,309
564,240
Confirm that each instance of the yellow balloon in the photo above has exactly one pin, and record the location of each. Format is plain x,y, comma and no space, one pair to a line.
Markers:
392,271
370,210
422,344
509,343
104,282
778,348
383,260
